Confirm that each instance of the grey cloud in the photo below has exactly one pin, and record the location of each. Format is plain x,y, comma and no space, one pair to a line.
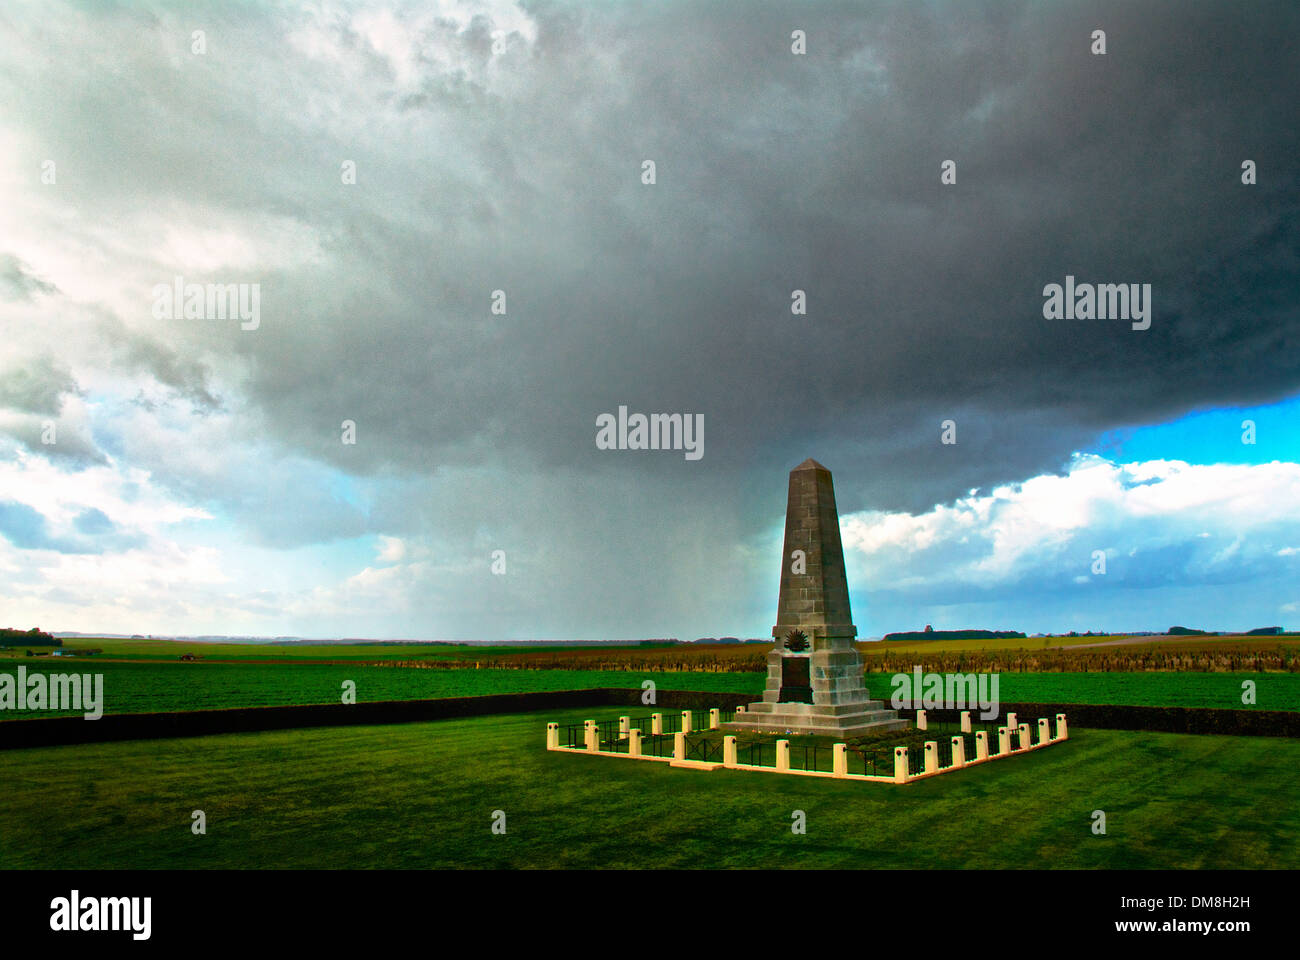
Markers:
139,352
36,385
18,283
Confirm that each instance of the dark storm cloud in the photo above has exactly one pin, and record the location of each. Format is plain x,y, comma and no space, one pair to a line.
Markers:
775,172
820,173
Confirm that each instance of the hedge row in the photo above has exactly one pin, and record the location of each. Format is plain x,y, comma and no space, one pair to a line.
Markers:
1236,723
194,723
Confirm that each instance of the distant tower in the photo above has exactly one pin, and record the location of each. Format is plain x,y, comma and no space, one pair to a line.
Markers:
814,673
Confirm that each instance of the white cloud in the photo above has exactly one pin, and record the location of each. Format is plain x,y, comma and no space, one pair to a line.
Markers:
1161,521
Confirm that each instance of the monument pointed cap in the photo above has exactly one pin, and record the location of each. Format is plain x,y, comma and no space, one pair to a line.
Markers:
814,594
809,464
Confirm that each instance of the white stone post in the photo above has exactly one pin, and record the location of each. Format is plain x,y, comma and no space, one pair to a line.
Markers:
624,725
679,746
932,756
686,721
715,718
1004,741
783,755
900,765
1011,722
657,724
921,721
1024,736
1062,732
729,752
982,745
552,736
958,752
593,738
634,743
965,721
1044,734
840,756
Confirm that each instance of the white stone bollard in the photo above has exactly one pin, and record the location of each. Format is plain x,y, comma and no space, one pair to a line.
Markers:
686,721
958,752
657,724
729,752
634,743
900,765
552,736
679,746
715,718
1024,736
624,725
1044,734
1011,722
921,721
932,756
840,756
593,739
1004,741
783,754
1062,733
982,745
965,721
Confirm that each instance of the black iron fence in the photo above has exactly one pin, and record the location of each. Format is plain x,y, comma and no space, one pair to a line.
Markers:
757,753
870,763
704,749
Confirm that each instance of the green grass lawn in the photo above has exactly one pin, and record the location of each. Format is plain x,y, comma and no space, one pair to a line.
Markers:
151,687
422,796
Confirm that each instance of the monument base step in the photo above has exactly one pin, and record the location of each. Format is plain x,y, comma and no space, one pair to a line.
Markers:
806,725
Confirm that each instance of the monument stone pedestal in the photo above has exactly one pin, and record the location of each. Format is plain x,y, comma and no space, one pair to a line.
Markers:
814,673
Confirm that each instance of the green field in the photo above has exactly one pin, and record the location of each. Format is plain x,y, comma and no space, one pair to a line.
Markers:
172,649
422,796
155,687
376,650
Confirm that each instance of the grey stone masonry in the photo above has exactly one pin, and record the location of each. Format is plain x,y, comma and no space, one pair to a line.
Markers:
814,600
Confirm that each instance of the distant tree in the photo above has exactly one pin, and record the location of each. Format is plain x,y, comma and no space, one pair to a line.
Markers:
10,636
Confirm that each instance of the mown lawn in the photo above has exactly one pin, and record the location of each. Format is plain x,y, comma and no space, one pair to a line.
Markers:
423,796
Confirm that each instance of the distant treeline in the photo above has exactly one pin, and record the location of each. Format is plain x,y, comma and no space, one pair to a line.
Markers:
35,637
914,635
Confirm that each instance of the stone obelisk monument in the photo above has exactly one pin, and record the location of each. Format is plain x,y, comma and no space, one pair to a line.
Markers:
814,673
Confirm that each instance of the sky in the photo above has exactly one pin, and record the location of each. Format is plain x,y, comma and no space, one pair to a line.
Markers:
457,248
